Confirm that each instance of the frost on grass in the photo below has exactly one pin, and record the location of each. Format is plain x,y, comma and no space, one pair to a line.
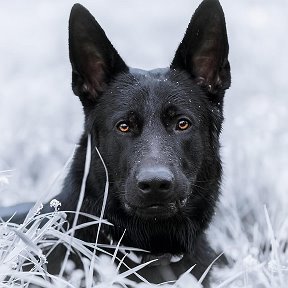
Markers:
261,261
25,250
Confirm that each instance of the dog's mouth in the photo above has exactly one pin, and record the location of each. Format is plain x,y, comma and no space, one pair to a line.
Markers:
156,210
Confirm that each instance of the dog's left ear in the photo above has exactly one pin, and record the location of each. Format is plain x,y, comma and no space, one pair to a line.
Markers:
203,52
93,58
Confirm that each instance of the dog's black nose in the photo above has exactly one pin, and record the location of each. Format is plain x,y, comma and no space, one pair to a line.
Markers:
155,179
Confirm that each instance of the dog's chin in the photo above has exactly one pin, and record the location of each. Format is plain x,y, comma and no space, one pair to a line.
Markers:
156,211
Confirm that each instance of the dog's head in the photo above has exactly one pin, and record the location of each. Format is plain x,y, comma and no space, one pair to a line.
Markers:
157,130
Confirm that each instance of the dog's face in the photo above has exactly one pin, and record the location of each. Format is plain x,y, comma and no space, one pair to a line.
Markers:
157,130
152,130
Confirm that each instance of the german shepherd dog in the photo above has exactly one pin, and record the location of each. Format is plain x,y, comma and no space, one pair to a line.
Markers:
158,133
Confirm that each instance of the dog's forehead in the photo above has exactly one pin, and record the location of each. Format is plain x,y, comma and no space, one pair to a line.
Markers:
151,92
165,85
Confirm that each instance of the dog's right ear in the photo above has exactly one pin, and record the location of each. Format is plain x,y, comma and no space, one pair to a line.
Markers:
93,58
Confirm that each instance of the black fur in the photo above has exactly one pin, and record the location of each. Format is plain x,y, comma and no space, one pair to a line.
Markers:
163,180
152,103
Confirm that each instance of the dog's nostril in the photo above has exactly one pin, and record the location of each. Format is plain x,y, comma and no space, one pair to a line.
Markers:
154,184
144,186
165,185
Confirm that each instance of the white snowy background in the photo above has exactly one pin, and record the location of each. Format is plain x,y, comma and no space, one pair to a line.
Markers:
41,120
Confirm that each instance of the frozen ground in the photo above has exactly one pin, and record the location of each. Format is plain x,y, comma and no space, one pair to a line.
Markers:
41,120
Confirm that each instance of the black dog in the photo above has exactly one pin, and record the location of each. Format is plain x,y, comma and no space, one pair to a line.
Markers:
158,133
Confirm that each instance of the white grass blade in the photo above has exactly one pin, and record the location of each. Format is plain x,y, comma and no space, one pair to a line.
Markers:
208,269
133,271
117,247
26,242
274,245
81,198
90,278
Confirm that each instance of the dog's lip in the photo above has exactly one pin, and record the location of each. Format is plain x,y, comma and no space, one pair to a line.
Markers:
156,209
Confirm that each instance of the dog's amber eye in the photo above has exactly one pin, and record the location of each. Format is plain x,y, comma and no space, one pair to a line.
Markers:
123,127
183,124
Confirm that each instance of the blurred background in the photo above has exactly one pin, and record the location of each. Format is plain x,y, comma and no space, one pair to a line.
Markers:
41,120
